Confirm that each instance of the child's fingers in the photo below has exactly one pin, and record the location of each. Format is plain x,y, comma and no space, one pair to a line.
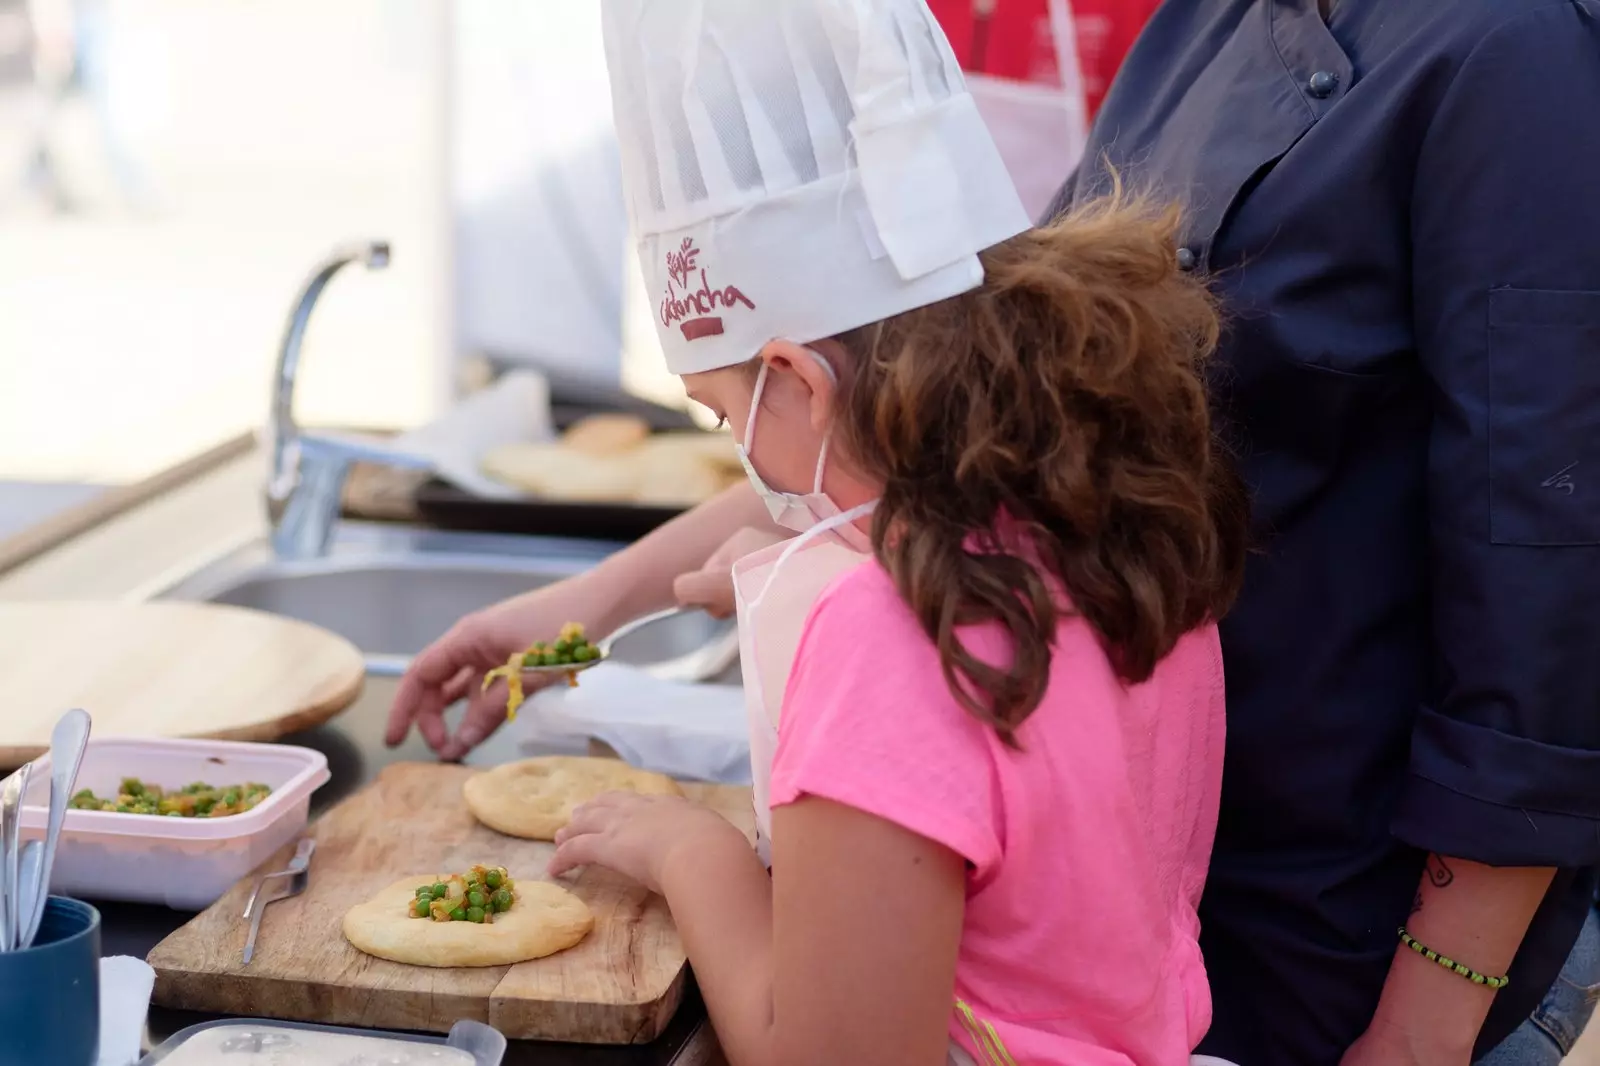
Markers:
577,850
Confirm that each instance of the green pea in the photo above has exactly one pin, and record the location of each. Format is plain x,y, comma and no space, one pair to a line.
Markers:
533,658
551,659
421,908
440,890
501,900
493,879
475,914
425,892
459,914
477,899
563,647
588,655
174,814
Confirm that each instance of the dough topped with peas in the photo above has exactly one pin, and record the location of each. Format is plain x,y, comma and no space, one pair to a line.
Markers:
482,917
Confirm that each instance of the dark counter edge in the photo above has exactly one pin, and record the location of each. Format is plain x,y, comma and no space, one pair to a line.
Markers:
116,501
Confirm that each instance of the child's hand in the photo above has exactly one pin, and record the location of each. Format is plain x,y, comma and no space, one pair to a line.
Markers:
711,587
637,835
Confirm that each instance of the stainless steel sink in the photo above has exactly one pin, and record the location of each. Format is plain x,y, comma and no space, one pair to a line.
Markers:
392,591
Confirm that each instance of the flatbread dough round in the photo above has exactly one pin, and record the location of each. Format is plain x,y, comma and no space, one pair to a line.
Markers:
535,798
668,480
606,434
545,919
558,472
715,449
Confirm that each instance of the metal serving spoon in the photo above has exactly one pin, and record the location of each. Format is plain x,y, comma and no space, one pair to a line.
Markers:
693,666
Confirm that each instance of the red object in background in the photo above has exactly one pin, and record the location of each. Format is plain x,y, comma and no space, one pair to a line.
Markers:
1015,40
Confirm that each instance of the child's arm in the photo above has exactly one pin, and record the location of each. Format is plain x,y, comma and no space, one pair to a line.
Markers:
847,954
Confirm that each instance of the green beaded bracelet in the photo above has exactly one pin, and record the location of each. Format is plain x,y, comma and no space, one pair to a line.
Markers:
1461,969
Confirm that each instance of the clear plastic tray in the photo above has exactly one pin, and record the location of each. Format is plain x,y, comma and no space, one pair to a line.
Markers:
185,863
261,1043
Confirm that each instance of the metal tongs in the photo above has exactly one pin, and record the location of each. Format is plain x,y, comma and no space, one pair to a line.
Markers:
296,872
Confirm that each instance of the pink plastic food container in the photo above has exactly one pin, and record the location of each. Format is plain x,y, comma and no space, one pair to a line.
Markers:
185,863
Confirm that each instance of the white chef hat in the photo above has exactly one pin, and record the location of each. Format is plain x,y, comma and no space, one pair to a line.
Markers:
798,168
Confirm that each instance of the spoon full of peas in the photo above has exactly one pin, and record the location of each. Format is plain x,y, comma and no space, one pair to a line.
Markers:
569,655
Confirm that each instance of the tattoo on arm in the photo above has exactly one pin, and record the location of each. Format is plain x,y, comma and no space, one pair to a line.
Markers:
1439,874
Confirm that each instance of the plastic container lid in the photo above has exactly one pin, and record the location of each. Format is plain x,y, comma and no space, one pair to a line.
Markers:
243,1042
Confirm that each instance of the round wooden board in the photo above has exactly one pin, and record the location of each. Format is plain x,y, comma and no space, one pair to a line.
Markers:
166,670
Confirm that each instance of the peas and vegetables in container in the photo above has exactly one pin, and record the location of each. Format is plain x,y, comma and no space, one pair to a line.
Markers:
197,800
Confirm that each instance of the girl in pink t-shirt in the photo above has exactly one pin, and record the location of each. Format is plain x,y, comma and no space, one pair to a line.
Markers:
994,753
984,687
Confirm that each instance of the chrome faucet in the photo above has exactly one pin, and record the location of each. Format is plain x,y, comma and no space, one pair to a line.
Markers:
306,481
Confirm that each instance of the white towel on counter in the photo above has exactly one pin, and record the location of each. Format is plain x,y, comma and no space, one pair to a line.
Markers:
125,987
690,731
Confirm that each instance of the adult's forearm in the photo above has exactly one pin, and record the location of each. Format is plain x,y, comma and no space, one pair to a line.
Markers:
1471,913
641,575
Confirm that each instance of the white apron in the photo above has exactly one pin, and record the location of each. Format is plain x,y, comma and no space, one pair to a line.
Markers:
1040,130
768,639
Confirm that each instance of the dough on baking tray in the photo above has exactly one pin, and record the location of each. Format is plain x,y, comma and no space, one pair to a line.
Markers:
606,434
545,919
558,472
535,798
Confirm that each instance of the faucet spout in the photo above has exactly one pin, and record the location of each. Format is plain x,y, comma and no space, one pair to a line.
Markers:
308,471
282,428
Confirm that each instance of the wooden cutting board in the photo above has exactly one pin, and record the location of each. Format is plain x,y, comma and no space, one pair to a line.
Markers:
621,985
166,670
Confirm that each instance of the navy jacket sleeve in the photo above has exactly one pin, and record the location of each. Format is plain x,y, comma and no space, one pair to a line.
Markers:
1505,763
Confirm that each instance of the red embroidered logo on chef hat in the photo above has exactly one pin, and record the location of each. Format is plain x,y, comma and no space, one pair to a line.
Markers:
694,308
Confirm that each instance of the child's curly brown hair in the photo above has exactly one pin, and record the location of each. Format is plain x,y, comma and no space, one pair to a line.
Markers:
1065,399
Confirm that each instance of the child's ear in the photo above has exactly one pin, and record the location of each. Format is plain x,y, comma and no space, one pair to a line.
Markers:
812,366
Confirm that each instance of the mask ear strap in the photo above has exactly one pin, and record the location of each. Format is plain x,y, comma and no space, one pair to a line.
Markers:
822,459
805,538
755,405
827,437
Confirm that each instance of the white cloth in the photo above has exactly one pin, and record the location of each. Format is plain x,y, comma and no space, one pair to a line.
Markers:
690,731
125,987
798,168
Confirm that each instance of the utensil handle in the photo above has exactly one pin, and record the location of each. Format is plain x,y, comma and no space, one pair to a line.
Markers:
255,930
637,624
302,855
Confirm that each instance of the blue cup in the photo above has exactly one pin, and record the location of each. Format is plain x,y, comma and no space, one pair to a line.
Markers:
50,993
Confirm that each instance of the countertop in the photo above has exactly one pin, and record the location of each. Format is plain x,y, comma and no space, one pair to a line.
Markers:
26,504
166,529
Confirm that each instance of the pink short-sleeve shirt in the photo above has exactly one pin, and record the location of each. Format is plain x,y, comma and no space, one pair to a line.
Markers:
1086,849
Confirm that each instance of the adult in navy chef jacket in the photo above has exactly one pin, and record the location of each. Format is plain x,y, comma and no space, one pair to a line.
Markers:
1400,205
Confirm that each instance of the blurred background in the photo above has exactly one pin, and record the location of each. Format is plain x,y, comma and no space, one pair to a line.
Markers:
171,169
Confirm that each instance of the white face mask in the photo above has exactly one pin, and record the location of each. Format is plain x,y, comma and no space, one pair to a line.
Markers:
812,512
